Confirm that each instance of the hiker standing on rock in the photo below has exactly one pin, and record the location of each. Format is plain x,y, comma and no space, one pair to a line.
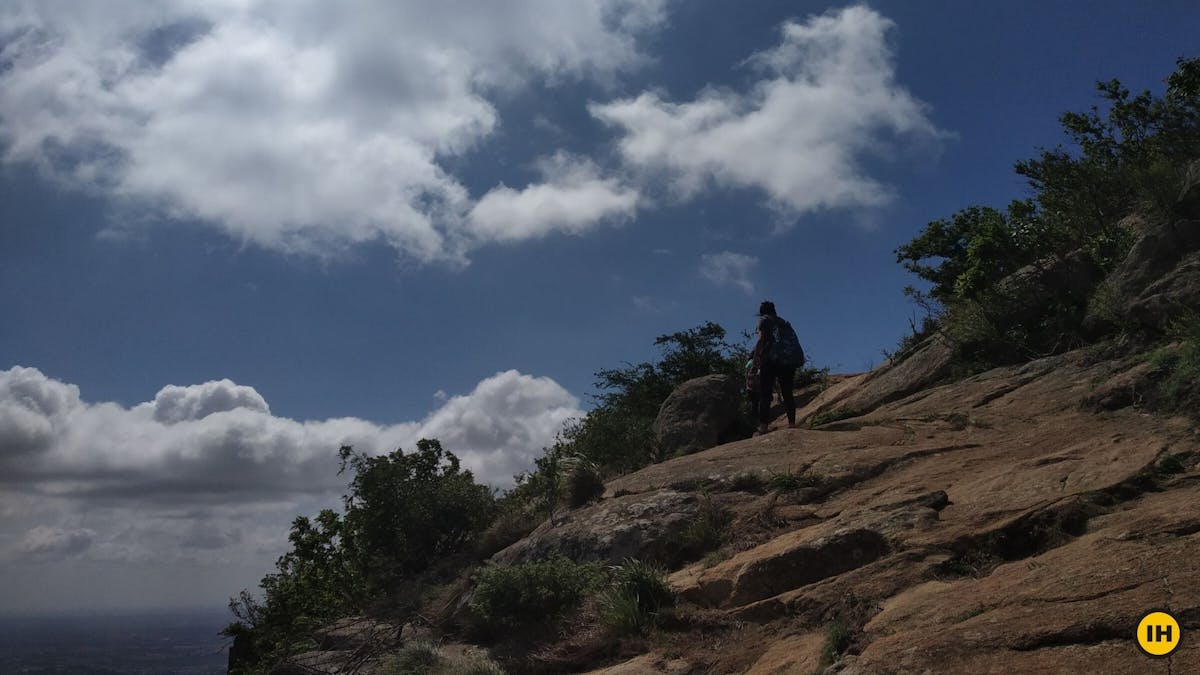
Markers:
777,355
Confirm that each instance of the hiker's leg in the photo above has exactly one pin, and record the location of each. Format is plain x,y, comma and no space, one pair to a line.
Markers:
766,385
787,377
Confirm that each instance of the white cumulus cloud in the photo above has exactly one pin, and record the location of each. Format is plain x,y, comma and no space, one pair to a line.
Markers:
219,442
301,126
205,478
572,198
826,99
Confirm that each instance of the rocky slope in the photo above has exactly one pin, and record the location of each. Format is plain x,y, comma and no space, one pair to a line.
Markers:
1005,523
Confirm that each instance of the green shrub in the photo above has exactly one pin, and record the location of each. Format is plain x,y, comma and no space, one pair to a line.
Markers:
635,596
837,639
584,483
787,482
508,596
402,513
832,416
509,527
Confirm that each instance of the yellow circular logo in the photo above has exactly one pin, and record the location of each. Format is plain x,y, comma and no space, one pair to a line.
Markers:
1158,634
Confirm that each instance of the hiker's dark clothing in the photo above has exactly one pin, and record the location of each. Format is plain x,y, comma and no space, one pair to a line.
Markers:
769,373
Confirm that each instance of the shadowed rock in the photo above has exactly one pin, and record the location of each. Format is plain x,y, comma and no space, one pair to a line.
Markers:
697,415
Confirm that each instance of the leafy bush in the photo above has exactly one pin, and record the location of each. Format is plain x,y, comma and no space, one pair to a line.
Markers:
1016,284
406,510
509,527
402,513
509,596
616,436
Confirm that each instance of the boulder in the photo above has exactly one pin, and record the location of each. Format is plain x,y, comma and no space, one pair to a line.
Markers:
785,563
642,526
698,414
1155,253
1174,293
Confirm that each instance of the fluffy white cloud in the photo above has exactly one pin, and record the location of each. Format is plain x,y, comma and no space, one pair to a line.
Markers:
219,442
206,475
502,425
729,269
176,404
827,99
301,126
572,198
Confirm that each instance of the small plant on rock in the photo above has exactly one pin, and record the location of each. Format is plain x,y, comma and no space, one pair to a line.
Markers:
636,594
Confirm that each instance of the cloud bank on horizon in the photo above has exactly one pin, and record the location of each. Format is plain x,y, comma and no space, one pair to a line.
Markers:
306,129
215,449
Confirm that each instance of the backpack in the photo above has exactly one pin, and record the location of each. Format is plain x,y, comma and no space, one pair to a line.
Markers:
785,346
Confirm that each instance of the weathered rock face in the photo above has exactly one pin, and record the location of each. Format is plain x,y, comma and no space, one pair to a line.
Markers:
1176,292
354,644
1160,275
928,363
697,414
783,564
631,526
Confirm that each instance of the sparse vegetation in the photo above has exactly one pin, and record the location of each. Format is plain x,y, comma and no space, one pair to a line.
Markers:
837,639
424,658
832,416
704,533
748,481
1177,369
512,596
636,595
791,481
969,614
415,658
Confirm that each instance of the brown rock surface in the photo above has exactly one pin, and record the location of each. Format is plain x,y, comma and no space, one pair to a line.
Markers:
1008,523
630,526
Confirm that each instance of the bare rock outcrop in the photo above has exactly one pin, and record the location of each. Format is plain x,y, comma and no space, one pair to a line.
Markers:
928,363
1160,276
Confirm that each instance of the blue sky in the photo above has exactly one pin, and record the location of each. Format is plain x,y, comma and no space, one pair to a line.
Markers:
234,235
